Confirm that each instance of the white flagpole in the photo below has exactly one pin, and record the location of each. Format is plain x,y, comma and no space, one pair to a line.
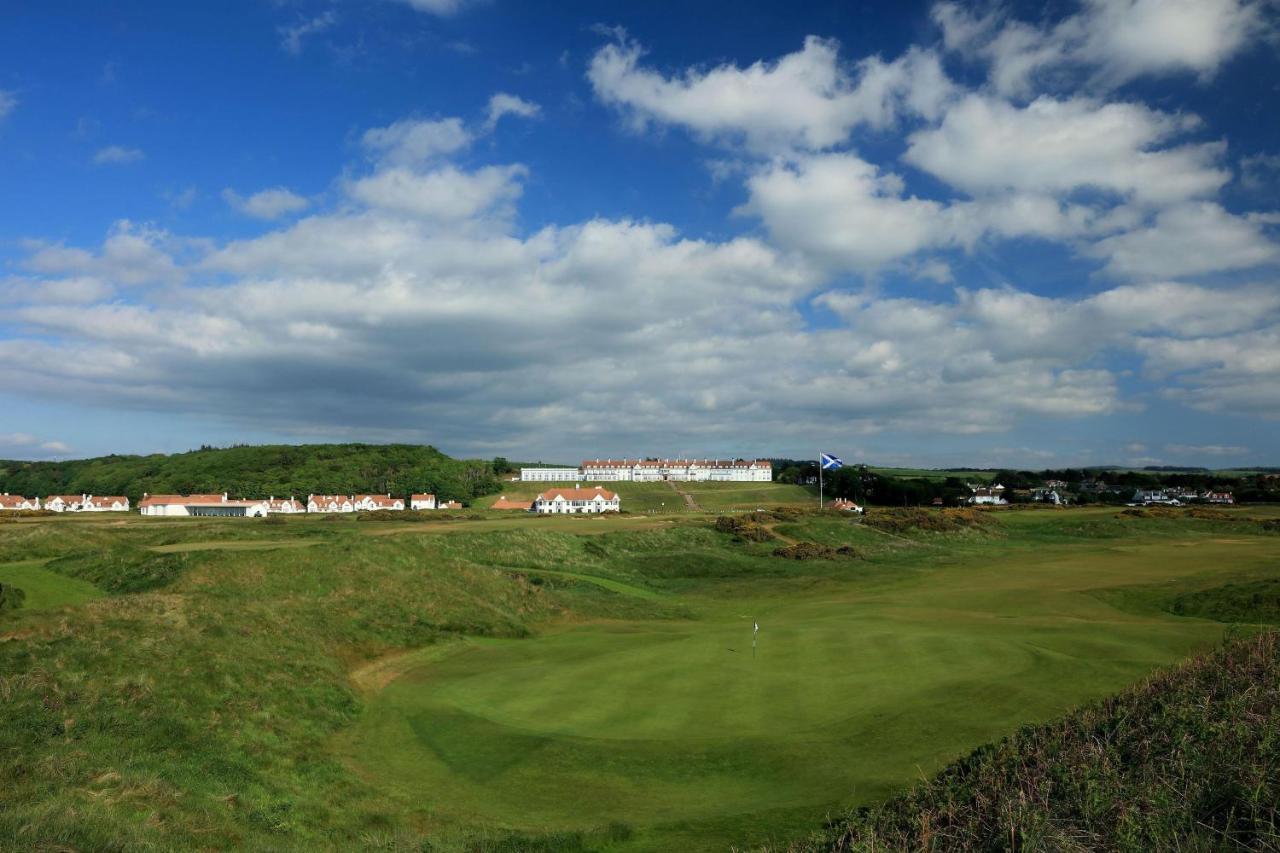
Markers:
819,479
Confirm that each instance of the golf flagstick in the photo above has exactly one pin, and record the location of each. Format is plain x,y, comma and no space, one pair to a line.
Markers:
753,640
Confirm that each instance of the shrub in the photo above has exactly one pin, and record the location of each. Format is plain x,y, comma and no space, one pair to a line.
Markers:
910,519
815,551
11,597
745,528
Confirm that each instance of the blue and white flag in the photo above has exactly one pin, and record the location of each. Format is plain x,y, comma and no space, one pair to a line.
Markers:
830,463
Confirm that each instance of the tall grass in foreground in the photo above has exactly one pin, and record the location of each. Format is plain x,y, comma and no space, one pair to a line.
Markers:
1187,761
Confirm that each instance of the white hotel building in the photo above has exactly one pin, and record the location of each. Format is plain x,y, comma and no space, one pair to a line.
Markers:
657,470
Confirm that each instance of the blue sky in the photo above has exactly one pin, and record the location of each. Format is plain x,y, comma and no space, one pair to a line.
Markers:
931,233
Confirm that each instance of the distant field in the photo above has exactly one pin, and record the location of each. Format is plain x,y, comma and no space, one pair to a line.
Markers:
569,683
936,474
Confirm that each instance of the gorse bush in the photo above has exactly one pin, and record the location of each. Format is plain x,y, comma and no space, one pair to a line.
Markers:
907,520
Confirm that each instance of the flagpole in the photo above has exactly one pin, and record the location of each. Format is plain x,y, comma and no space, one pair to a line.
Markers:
819,481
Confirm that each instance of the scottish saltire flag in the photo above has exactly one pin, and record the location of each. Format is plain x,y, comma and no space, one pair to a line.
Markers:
830,463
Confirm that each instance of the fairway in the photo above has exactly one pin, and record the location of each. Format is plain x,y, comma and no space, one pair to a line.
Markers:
858,685
45,589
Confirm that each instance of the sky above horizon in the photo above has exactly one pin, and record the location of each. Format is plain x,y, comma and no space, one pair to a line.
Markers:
1024,234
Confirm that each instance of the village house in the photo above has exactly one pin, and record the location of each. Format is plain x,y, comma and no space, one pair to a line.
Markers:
286,506
104,503
64,503
369,503
1048,496
503,503
1219,497
449,505
422,501
1166,497
206,506
577,500
18,502
987,495
845,505
330,503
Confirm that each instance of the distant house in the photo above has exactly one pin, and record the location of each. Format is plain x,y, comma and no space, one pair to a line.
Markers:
368,503
1048,496
422,501
17,502
330,503
504,503
208,506
1058,485
285,506
577,500
845,505
104,503
1156,496
449,505
64,503
1219,497
987,495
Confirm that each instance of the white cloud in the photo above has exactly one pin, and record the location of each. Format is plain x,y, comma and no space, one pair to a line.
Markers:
1112,41
845,213
118,154
805,100
132,254
504,104
444,194
8,102
1205,450
986,144
292,36
439,7
1189,240
415,141
22,445
266,204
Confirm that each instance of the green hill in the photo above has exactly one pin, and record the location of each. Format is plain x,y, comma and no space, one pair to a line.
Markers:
278,470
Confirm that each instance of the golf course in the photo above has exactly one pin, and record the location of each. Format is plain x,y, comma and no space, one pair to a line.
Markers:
502,682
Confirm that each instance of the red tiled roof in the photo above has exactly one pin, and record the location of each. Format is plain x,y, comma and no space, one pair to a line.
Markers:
12,501
422,497
379,500
676,463
577,494
107,500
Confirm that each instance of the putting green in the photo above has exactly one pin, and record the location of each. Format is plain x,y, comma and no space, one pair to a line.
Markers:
45,589
856,688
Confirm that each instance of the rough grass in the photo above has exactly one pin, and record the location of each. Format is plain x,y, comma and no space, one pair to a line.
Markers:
912,520
1249,601
1187,760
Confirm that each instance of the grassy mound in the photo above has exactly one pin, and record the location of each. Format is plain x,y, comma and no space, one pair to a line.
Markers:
913,520
1189,760
1250,601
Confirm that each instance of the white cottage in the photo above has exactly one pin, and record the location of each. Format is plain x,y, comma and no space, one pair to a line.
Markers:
17,502
368,503
422,501
330,503
577,500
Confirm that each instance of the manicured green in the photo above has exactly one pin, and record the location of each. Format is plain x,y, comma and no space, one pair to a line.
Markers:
513,682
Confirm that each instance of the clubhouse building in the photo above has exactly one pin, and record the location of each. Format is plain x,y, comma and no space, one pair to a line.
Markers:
576,500
656,471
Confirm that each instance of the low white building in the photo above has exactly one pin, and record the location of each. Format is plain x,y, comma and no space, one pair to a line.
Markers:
550,475
577,500
205,506
17,502
988,495
369,503
422,501
105,503
1156,496
284,506
330,503
64,503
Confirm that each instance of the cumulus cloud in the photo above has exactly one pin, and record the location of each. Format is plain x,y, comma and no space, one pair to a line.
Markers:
504,104
132,254
446,194
117,155
266,204
438,7
1111,41
1205,450
986,144
415,141
806,100
1189,240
